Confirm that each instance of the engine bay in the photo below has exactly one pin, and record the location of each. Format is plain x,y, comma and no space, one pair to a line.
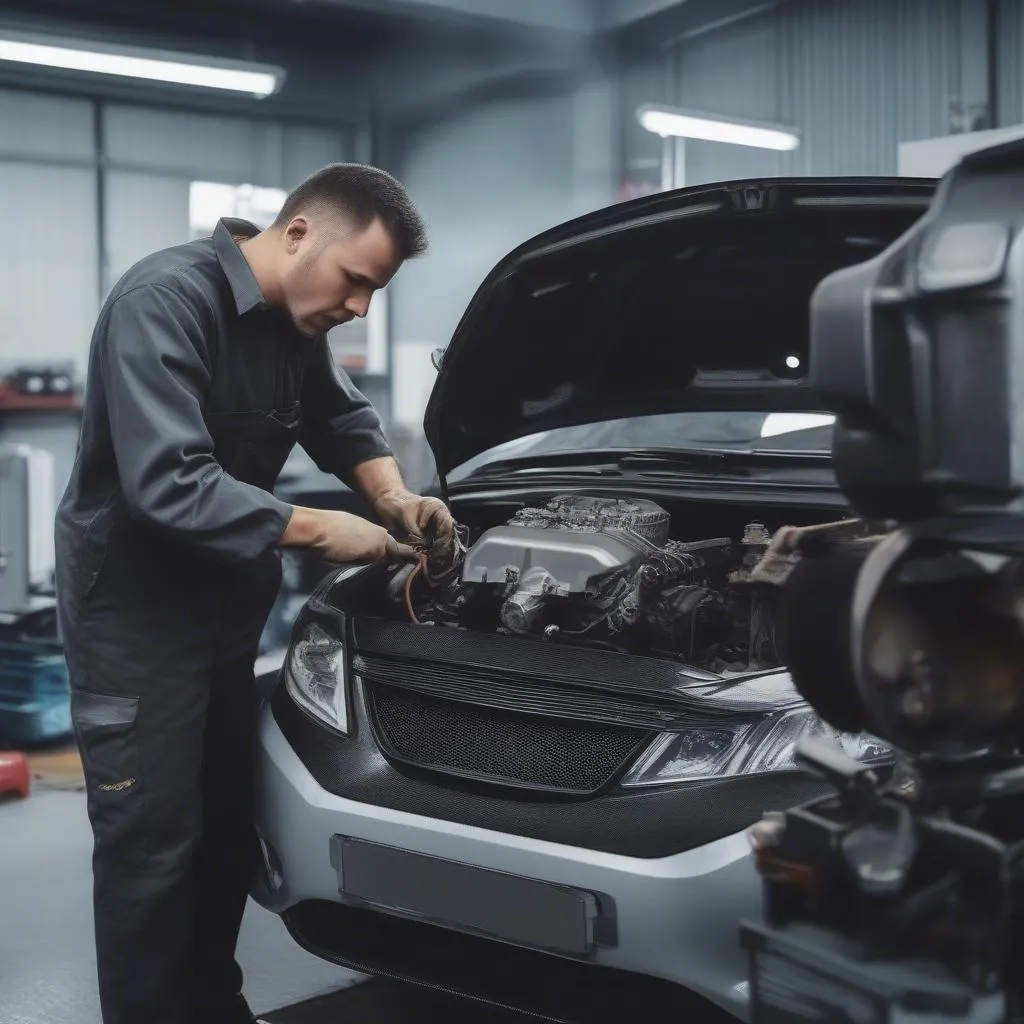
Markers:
606,573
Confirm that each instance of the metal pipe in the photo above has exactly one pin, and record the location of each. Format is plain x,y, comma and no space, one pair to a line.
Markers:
100,146
992,60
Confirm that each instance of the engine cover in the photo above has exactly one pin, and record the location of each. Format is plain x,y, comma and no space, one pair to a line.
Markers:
635,516
574,540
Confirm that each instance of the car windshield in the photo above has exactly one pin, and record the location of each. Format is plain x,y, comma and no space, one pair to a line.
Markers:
681,431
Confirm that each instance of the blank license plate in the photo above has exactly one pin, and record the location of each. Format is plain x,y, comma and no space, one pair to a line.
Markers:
519,910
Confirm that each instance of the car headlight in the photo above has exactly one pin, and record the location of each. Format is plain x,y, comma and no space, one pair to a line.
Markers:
316,675
723,749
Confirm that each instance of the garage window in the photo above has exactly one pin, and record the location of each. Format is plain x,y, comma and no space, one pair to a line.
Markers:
210,200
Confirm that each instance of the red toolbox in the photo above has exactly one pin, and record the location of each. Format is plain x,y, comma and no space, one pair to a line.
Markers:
14,774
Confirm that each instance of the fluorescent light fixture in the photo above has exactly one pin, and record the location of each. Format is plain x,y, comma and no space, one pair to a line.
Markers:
693,124
259,80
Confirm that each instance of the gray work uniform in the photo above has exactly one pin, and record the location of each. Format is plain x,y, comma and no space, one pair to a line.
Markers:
167,567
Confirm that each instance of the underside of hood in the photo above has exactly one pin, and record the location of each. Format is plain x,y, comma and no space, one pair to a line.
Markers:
690,300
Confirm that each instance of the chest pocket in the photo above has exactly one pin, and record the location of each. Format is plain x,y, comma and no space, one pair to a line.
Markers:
254,446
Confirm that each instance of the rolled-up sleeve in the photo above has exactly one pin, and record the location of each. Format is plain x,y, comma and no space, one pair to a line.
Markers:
156,374
341,428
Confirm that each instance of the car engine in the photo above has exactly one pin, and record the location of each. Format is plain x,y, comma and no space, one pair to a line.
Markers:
604,572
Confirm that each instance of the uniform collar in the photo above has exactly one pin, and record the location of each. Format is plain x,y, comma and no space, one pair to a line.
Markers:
238,272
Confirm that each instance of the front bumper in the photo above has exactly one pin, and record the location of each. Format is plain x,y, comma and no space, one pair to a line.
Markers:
676,917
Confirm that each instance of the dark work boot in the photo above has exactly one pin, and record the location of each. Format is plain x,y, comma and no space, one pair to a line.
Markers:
237,1013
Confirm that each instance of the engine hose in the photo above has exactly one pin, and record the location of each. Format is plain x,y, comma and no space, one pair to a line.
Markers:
421,567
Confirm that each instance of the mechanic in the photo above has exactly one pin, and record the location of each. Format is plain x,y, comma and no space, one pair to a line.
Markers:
209,361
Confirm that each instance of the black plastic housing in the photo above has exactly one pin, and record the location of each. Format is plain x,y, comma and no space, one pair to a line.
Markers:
920,352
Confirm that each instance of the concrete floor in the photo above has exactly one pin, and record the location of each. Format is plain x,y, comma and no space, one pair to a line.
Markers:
47,958
47,961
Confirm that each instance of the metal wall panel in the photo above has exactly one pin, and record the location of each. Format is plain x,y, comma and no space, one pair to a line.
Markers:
641,81
36,126
594,144
861,77
192,145
142,213
1010,59
857,77
306,148
227,149
486,179
49,166
731,71
48,302
148,209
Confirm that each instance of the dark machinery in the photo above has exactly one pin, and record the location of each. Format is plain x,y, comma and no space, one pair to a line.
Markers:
898,898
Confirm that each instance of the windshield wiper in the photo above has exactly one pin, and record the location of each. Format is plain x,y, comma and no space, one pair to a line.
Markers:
617,462
712,459
699,458
575,463
611,462
712,462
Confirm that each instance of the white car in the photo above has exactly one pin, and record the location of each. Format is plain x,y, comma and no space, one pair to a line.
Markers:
530,782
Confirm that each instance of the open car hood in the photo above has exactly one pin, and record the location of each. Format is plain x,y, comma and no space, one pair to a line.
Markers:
691,300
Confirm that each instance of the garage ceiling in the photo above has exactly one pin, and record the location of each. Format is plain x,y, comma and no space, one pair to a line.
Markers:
586,17
409,58
565,15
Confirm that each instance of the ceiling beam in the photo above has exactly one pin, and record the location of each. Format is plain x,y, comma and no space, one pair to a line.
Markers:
560,15
687,16
612,14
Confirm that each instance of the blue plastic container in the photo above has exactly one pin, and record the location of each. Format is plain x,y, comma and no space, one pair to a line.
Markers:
35,695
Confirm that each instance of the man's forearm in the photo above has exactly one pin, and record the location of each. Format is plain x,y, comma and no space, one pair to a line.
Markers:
305,528
378,479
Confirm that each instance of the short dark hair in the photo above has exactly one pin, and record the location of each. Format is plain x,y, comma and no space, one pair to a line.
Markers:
362,195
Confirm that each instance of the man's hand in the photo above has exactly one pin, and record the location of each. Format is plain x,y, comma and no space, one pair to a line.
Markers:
414,519
343,538
423,523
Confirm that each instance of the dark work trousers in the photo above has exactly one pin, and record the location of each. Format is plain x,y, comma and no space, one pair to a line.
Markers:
160,643
160,649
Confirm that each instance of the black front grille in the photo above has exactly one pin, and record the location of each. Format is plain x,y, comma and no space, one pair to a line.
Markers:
498,746
659,822
499,687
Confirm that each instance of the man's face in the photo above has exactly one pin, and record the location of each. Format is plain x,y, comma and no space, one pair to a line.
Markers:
330,271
